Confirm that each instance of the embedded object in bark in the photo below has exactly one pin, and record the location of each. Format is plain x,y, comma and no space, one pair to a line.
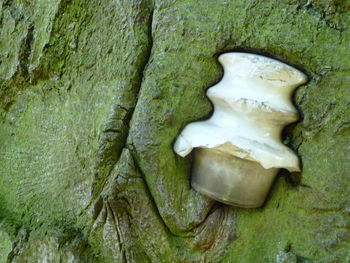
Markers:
239,147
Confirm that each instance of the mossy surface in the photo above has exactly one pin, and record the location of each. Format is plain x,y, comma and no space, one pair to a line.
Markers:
94,93
5,246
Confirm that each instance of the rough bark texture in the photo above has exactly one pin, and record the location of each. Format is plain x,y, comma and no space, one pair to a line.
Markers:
92,96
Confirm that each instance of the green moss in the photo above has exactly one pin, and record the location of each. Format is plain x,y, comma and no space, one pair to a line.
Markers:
5,246
74,71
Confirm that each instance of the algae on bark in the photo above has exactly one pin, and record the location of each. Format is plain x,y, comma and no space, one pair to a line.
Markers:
93,95
5,246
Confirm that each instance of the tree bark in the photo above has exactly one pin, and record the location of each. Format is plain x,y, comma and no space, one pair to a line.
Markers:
94,93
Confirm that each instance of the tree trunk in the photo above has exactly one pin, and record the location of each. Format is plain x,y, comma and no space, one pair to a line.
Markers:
93,95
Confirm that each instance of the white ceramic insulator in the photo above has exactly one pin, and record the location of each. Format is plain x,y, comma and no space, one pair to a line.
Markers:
252,104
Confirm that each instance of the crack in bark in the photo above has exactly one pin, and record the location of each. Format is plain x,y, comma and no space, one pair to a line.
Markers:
130,194
122,129
116,226
212,235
